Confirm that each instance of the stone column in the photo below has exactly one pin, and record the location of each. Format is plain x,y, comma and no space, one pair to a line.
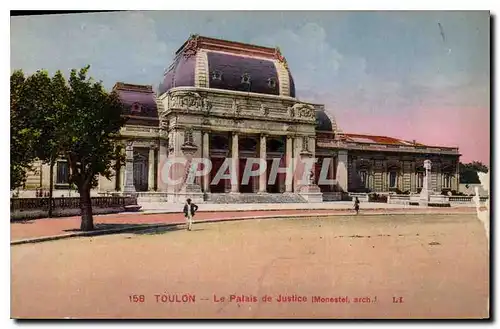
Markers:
235,184
342,170
298,165
162,185
439,178
263,155
129,169
206,157
151,169
176,171
331,173
289,164
413,177
457,176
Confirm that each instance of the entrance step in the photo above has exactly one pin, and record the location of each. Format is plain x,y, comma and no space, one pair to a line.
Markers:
227,198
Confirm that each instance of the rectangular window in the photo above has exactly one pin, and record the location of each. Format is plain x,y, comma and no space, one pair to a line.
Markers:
420,179
363,175
393,179
447,181
118,182
62,172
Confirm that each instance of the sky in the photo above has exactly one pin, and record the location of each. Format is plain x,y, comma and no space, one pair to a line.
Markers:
395,74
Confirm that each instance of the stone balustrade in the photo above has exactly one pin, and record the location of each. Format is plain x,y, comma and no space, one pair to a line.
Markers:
465,199
32,208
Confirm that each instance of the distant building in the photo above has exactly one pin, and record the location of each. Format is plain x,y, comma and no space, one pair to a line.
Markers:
223,99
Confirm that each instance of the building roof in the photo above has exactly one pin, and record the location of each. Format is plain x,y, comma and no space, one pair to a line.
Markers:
370,139
221,64
138,101
323,122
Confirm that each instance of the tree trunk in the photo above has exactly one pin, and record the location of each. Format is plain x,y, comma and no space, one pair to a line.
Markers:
87,223
51,186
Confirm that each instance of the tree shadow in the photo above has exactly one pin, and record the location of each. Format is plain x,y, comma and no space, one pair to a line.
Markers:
134,228
165,229
104,227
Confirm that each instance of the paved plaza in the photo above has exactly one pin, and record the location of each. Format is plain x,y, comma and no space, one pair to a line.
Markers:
367,266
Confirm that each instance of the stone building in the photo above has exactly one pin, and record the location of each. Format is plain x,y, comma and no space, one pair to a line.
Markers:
221,99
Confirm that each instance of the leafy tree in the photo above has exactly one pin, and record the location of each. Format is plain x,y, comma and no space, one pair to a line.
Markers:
23,136
468,172
36,105
49,96
91,121
76,119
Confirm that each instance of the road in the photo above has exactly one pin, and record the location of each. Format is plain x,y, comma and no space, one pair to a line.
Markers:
371,266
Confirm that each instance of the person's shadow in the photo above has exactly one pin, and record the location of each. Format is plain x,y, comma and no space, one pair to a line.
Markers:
166,229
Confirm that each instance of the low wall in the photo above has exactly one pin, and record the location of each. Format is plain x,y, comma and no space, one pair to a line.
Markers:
332,196
466,199
362,197
33,208
414,198
399,199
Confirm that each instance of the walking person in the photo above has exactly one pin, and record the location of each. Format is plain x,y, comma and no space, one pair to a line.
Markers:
189,211
356,205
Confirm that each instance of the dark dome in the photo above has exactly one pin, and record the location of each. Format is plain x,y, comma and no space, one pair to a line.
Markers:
220,64
180,74
323,122
229,72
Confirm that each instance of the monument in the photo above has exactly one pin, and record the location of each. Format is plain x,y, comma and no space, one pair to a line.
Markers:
427,196
426,186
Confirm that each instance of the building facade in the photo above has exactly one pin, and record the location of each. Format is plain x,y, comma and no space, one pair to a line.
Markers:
222,99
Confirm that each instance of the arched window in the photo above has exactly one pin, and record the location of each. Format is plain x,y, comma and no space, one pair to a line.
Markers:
446,180
246,82
393,179
363,176
271,82
216,76
245,78
420,179
62,175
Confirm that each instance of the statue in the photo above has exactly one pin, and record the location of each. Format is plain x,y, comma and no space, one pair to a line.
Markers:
427,165
311,177
191,173
305,143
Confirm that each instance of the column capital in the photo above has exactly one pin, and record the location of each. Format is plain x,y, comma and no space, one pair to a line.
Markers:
235,133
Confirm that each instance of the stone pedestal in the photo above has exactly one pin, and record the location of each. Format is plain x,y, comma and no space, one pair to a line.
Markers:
427,196
191,191
341,174
311,193
129,187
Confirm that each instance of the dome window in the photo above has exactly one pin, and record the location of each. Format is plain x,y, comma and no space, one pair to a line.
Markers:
245,78
216,76
271,82
136,108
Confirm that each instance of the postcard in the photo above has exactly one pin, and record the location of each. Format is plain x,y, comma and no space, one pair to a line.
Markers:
250,165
